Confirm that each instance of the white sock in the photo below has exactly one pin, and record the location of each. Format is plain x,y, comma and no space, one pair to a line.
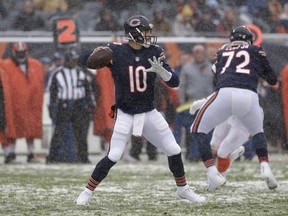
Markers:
12,147
224,174
30,148
6,150
88,190
212,169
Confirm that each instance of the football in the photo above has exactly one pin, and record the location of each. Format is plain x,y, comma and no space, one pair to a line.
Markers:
100,58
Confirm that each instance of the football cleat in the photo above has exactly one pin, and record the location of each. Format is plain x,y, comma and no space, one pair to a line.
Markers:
10,157
31,158
237,153
267,176
84,198
215,181
186,193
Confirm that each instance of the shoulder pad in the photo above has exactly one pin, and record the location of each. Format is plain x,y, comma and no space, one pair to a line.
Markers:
224,46
116,43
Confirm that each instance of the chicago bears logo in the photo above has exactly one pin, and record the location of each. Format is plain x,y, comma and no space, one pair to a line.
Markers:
134,22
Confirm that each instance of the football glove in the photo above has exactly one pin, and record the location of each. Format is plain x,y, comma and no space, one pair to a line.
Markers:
196,105
157,67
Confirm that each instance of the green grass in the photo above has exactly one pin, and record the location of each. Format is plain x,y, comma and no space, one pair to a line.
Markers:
145,189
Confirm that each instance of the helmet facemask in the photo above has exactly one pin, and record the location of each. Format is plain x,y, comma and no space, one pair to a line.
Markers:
143,38
242,33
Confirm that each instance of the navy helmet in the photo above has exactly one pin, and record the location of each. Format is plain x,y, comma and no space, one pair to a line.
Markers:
135,30
242,33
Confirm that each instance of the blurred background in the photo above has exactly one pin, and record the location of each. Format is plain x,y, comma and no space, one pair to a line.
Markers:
51,27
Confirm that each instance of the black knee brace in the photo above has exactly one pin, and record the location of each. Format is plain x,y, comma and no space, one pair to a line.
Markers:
102,168
204,146
260,145
176,165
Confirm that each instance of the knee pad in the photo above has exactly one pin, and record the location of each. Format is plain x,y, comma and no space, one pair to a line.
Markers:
173,149
123,127
158,121
117,145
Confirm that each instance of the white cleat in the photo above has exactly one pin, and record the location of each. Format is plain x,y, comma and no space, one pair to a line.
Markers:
84,198
267,176
237,153
186,193
215,181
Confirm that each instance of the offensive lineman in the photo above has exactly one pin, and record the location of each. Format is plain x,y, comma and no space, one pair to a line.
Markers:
135,114
227,139
238,67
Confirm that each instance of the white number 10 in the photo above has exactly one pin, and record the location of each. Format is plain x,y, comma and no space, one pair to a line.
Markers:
137,84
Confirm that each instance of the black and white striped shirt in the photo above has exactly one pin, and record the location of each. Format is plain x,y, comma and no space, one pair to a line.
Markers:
68,84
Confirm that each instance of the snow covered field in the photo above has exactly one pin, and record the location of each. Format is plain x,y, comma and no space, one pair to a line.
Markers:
145,188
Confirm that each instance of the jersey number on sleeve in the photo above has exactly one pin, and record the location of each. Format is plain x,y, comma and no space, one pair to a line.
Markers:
240,68
137,82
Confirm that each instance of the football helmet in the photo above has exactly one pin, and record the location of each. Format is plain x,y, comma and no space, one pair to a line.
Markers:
241,33
138,29
20,52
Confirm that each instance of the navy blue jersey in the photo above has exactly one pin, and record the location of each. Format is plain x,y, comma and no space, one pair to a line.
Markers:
134,87
240,66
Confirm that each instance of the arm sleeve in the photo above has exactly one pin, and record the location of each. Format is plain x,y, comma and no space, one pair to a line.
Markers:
174,81
266,72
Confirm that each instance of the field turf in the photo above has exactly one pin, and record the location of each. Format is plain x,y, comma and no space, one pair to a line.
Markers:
145,188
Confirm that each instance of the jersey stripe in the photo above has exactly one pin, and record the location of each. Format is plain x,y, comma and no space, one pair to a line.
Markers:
201,112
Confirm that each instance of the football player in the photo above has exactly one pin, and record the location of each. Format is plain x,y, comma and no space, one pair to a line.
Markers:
238,67
134,67
227,139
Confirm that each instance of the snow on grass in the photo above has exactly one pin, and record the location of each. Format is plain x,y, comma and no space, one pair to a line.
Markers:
145,188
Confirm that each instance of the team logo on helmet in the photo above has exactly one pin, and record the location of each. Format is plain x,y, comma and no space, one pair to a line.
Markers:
134,22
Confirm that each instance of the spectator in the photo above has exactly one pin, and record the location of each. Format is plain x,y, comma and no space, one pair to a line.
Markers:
163,25
283,21
274,18
3,10
257,8
211,53
22,81
107,22
284,95
229,21
206,23
51,6
46,62
28,19
68,98
183,24
271,102
284,14
196,81
102,123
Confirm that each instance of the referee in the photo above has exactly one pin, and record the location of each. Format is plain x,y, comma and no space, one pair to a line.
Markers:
71,101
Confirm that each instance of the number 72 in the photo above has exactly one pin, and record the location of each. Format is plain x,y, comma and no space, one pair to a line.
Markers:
240,68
